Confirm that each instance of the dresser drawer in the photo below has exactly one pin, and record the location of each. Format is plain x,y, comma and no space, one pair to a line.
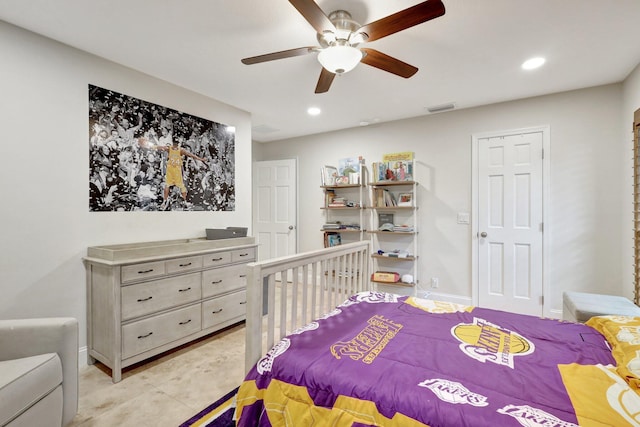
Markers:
179,265
149,297
243,255
218,258
147,334
221,309
224,279
147,270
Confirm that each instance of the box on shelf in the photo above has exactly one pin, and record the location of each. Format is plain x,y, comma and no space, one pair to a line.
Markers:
385,276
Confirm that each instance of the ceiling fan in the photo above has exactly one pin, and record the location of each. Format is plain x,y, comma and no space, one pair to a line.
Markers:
339,35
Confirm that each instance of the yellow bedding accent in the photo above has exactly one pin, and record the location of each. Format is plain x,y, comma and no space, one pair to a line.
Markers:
623,334
291,405
437,307
599,396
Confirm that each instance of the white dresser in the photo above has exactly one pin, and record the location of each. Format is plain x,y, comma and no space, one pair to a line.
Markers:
147,298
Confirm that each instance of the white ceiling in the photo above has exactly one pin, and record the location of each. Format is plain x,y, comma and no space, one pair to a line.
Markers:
471,56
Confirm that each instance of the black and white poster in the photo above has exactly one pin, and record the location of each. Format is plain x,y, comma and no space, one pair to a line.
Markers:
146,157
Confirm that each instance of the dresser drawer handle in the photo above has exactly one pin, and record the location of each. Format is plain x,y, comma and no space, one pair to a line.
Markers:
243,302
184,290
217,311
145,336
244,254
185,265
144,299
215,282
145,271
185,322
216,259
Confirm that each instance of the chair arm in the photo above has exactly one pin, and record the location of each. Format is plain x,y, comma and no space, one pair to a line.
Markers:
29,337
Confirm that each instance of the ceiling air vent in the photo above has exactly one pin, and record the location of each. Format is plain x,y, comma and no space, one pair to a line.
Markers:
264,129
441,108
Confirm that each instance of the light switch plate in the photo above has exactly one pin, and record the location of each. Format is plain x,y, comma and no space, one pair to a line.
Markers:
464,217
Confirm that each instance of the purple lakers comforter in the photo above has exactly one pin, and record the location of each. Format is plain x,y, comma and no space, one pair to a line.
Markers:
384,360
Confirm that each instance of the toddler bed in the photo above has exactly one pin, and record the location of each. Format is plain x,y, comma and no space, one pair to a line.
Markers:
380,359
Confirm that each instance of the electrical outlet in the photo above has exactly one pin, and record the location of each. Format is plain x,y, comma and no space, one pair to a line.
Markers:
434,282
424,294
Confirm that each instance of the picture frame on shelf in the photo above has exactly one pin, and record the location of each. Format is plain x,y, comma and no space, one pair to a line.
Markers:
332,239
405,199
348,165
349,168
385,218
329,175
341,180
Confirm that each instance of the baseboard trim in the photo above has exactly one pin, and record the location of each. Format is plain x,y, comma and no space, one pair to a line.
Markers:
555,314
457,299
82,357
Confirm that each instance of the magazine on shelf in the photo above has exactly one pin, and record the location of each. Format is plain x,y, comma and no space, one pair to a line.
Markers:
394,167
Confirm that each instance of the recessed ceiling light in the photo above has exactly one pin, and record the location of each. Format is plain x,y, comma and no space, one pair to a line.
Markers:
313,111
533,63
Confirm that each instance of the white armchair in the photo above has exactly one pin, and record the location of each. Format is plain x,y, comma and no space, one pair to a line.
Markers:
38,372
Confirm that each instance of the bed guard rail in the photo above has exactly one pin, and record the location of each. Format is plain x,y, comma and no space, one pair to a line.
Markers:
300,288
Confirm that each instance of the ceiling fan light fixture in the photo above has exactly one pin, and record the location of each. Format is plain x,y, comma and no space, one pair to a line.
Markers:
340,59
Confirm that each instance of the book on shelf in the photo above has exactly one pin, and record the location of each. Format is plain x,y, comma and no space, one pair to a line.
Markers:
385,218
387,226
403,228
384,198
334,226
329,195
332,239
336,202
396,253
331,226
394,167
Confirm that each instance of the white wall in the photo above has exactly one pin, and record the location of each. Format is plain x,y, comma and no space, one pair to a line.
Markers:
46,223
631,98
586,201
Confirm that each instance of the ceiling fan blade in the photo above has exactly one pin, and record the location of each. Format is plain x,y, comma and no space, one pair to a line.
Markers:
279,55
314,15
325,80
387,63
422,12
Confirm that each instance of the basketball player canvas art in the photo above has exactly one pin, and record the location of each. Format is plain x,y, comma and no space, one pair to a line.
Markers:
146,157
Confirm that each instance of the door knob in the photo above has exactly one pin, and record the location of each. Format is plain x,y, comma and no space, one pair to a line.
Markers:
483,234
291,227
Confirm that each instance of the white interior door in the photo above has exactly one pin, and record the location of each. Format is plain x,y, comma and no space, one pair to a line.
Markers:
275,207
510,222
